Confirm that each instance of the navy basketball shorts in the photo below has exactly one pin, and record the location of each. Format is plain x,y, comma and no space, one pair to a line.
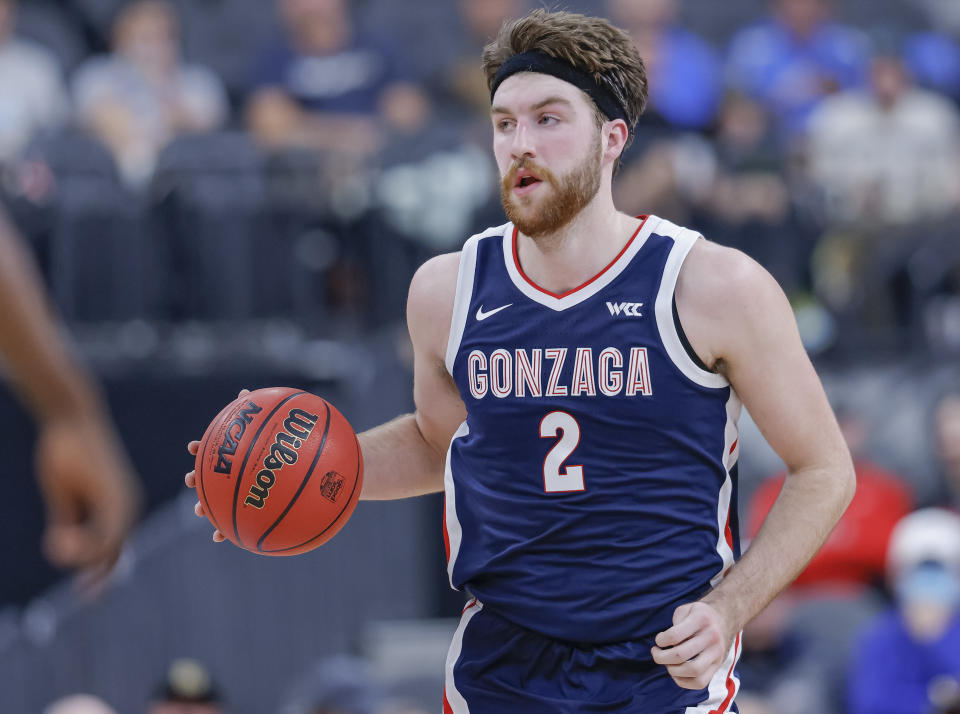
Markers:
497,667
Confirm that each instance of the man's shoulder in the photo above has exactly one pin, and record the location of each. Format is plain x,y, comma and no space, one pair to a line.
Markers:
442,270
433,287
716,279
436,272
720,262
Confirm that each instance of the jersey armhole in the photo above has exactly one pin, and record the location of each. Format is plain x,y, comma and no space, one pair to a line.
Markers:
683,338
674,339
461,300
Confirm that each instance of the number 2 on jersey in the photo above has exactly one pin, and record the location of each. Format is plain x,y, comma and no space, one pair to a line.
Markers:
570,478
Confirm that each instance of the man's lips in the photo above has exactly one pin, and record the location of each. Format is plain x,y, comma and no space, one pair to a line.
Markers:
525,178
519,190
525,181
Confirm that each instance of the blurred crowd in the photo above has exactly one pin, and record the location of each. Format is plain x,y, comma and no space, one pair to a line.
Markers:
172,160
332,685
873,623
166,154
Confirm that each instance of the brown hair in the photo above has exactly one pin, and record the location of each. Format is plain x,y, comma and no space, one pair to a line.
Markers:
590,44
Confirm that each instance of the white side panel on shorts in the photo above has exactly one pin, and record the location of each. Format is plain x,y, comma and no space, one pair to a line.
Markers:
723,688
451,522
684,240
453,697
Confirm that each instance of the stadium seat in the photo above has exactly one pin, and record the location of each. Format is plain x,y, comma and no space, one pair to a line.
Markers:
207,207
98,250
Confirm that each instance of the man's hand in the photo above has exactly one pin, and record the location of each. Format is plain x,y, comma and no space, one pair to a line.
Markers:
191,479
90,491
695,647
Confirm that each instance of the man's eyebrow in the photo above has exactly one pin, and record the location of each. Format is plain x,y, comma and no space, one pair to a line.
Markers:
539,105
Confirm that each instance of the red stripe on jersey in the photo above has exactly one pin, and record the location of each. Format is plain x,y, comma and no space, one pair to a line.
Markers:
734,445
516,260
447,709
446,536
727,532
731,685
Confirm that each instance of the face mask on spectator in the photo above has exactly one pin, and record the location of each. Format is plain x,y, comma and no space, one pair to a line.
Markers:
929,583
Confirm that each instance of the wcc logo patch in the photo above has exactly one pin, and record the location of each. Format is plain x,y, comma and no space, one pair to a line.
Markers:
625,309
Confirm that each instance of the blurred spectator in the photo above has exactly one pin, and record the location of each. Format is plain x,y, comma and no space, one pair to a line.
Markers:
890,154
666,174
751,204
32,92
793,59
141,96
336,685
683,71
798,648
187,688
323,85
854,556
79,704
463,85
947,435
734,188
943,14
908,660
750,181
933,60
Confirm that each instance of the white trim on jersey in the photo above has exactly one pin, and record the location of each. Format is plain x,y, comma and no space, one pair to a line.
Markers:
731,451
589,289
451,695
464,294
684,240
719,698
451,524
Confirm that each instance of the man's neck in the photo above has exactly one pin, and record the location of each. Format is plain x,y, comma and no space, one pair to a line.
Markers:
572,256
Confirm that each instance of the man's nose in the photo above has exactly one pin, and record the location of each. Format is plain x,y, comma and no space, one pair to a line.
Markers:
522,145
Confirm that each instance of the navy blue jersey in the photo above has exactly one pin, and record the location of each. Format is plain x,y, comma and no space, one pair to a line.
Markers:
591,489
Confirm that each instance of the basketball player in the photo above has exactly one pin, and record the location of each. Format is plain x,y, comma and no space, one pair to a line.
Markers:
87,483
578,377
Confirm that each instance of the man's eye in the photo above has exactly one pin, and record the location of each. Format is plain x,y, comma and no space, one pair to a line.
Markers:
547,119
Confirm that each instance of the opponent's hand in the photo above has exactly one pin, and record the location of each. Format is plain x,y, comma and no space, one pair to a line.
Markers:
191,479
90,491
695,647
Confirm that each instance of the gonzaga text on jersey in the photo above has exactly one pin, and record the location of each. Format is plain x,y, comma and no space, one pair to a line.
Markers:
540,372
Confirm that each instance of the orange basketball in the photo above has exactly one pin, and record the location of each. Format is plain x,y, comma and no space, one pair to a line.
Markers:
279,471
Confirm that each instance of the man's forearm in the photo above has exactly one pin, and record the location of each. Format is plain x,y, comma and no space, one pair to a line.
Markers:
398,461
809,506
35,354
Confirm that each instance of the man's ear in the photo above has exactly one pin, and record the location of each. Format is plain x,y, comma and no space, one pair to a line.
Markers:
615,135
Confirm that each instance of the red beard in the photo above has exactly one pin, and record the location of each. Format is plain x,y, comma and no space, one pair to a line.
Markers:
571,193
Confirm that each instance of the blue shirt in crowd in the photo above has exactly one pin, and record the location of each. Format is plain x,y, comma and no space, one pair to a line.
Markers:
790,74
349,81
689,84
891,672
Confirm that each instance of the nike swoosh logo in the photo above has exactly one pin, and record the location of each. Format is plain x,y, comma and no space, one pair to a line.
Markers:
481,315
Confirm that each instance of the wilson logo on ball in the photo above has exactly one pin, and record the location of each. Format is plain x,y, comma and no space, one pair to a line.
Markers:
297,427
231,437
